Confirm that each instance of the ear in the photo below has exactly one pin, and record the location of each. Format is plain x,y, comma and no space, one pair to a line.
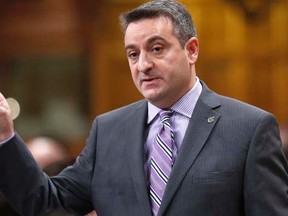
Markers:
192,48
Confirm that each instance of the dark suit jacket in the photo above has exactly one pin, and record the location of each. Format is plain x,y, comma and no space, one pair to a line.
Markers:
230,163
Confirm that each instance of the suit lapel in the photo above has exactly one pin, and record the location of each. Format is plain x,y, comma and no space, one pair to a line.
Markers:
200,126
135,128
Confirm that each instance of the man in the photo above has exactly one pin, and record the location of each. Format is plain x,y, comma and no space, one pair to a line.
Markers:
184,150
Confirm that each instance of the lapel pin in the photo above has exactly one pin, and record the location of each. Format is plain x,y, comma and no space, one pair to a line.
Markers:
211,119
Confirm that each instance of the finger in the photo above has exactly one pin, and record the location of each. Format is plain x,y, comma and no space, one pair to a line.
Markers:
3,102
1,98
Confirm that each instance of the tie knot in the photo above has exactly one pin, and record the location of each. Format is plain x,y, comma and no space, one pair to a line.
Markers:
165,115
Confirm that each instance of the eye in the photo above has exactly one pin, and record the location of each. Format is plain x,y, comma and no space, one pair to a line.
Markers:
132,55
157,49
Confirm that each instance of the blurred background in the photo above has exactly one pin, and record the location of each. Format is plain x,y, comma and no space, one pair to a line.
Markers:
64,61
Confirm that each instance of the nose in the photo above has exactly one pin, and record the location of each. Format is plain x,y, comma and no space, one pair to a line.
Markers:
144,63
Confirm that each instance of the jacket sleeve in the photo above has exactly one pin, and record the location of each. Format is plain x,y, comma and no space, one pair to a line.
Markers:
31,192
266,178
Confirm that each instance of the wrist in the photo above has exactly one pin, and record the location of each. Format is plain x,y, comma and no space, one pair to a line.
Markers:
6,137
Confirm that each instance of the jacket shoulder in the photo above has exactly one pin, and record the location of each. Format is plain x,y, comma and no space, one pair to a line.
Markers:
123,112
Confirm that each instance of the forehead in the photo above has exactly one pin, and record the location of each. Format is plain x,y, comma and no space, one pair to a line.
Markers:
143,29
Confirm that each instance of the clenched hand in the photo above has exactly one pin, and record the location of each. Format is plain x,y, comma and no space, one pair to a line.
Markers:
6,122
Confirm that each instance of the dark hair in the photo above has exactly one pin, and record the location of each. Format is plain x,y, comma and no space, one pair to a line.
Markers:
183,25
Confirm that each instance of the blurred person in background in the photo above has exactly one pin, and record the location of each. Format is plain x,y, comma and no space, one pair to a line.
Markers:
48,152
52,156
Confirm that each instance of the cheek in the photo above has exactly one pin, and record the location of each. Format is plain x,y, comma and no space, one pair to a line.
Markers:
134,75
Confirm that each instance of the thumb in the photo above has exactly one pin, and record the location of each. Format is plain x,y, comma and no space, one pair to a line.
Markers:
6,122
3,103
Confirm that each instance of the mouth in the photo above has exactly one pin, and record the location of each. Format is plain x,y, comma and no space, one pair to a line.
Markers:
150,80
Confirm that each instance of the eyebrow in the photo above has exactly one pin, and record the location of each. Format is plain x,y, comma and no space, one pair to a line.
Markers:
149,41
156,37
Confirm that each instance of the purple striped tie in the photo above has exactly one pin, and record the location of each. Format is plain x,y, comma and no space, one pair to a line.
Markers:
161,160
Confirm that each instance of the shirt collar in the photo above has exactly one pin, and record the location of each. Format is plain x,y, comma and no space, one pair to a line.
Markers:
184,106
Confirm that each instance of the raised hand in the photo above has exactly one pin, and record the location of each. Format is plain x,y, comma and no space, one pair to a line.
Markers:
6,122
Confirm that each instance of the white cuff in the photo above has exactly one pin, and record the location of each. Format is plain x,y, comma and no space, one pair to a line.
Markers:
3,142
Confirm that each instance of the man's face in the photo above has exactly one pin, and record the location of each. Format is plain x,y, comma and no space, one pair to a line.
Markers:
161,69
